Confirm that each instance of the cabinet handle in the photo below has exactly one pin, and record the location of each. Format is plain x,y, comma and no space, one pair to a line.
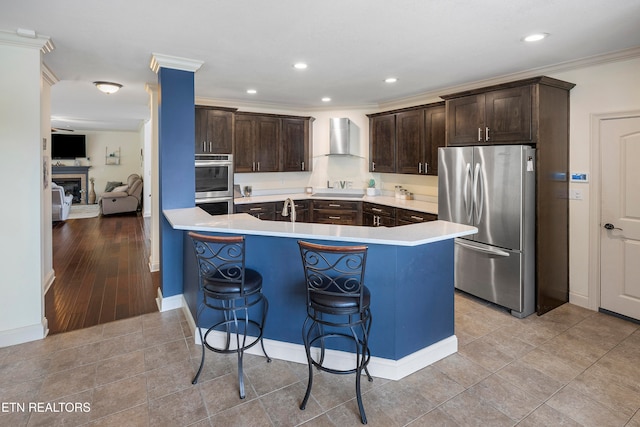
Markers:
376,210
486,133
479,134
373,166
204,146
302,166
210,147
334,217
417,218
333,205
419,167
255,209
426,167
258,166
253,166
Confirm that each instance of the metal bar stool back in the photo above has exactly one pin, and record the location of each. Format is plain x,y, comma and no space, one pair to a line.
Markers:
230,289
338,308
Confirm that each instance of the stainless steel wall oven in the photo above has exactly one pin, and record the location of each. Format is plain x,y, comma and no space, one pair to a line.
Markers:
214,183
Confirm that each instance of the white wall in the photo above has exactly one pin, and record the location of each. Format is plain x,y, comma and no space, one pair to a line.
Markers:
606,88
21,316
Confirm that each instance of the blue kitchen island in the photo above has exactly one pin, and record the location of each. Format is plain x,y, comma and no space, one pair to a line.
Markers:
409,272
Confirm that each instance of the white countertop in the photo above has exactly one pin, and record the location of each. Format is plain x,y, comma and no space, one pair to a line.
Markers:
415,205
195,219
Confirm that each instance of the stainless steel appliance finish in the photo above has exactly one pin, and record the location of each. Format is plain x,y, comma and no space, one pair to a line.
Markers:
339,136
214,176
493,189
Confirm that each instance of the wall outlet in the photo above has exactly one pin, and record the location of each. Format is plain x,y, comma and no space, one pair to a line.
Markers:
575,194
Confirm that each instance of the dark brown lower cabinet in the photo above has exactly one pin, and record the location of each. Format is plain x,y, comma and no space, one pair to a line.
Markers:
340,212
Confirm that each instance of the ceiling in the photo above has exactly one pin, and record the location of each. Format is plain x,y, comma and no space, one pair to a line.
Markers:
350,48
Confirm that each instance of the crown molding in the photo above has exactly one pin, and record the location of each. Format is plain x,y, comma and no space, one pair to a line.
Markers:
31,40
434,95
48,75
159,60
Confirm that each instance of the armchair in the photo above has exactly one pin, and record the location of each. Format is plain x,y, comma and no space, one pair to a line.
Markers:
123,199
60,203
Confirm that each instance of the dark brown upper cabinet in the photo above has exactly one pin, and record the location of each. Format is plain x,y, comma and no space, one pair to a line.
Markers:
214,130
495,117
382,143
257,143
406,141
296,144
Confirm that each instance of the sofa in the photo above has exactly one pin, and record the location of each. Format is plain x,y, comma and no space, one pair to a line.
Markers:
60,203
125,198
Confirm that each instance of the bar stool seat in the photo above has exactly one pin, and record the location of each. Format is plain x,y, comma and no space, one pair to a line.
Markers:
230,289
338,308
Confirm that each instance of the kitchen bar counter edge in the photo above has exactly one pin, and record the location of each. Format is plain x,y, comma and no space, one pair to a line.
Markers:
195,219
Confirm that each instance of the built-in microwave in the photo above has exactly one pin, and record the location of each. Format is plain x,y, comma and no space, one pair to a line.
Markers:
214,176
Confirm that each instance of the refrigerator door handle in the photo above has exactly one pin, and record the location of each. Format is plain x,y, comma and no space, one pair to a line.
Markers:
484,249
467,182
478,193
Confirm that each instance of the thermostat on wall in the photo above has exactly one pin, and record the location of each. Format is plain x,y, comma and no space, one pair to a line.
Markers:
579,177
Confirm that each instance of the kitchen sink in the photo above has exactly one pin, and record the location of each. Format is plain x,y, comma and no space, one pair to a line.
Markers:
339,195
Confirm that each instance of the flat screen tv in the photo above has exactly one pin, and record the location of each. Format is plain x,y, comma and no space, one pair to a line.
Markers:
67,146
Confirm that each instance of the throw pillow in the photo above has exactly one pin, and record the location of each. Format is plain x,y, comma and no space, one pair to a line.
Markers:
111,185
122,188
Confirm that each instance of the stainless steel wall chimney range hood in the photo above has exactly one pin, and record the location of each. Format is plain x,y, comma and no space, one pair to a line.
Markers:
340,135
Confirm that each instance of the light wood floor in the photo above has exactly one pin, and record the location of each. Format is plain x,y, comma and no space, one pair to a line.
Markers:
102,273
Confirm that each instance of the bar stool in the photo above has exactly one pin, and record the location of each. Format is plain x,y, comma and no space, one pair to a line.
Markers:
227,287
337,308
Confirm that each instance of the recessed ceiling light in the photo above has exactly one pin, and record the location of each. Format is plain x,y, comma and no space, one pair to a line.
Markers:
535,37
252,91
390,80
326,99
300,66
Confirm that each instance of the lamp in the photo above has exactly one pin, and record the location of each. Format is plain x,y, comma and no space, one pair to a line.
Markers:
108,87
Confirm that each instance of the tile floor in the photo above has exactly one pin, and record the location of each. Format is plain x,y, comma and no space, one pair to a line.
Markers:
570,367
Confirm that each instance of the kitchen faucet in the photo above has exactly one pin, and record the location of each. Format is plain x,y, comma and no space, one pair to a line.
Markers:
285,210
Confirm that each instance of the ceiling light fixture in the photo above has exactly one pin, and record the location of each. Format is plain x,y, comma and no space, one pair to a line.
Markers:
390,80
326,99
108,87
535,37
252,91
300,66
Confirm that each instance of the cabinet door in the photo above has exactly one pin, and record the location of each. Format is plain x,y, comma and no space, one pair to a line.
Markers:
295,145
214,131
202,144
267,144
244,136
465,120
508,115
382,144
409,141
435,129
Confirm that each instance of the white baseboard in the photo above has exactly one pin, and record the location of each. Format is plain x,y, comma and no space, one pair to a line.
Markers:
170,303
378,367
153,265
24,334
579,300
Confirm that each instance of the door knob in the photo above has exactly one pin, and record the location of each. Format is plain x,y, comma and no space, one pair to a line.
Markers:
610,226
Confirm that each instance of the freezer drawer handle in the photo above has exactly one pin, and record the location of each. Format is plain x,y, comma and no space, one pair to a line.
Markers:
489,251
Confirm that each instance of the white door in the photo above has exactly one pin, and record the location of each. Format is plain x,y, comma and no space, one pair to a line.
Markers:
620,216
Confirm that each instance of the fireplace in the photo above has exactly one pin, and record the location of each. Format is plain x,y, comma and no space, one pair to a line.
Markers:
71,186
74,181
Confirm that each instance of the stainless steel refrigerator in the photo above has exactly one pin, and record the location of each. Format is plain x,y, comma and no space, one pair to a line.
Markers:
493,189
